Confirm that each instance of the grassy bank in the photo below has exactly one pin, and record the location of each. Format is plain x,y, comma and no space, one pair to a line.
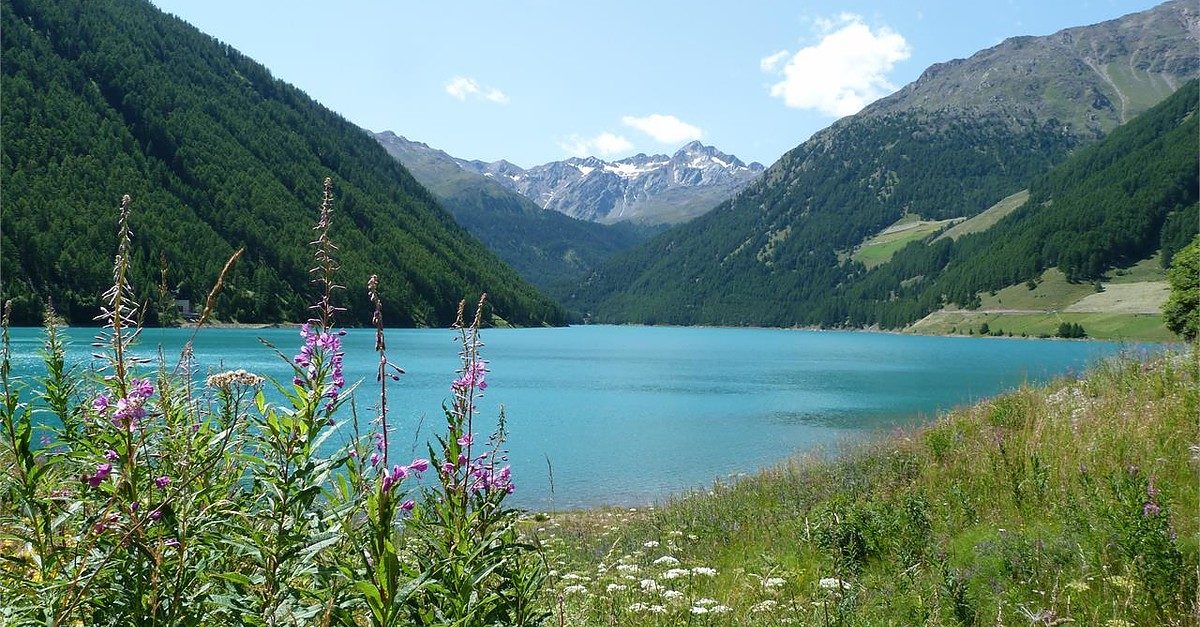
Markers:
1073,502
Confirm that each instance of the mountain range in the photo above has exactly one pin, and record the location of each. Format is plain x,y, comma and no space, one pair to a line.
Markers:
965,135
550,249
649,189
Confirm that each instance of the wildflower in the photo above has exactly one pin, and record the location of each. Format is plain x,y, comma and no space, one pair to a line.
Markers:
102,402
672,595
721,609
696,609
156,514
704,571
162,482
1150,510
638,607
833,583
657,609
576,589
102,473
764,606
465,440
650,544
615,587
774,582
676,573
420,465
705,601
111,455
666,559
229,378
649,585
375,459
628,568
141,388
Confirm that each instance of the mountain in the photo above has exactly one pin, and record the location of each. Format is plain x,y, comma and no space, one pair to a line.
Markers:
780,252
547,248
654,189
104,98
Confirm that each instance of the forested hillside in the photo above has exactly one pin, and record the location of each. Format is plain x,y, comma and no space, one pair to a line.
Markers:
549,249
1110,204
104,98
781,252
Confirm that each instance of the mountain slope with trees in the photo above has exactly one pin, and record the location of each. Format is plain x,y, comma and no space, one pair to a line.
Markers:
106,98
778,253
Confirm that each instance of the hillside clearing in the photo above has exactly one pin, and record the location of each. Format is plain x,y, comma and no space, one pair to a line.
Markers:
989,217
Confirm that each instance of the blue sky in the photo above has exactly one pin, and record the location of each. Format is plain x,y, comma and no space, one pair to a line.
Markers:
536,81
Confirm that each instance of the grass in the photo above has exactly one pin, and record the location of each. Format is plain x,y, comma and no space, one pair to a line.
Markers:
1100,326
1072,502
1053,292
879,248
989,217
1142,297
1128,308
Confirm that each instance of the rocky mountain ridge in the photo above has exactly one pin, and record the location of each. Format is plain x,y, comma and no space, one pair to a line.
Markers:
651,189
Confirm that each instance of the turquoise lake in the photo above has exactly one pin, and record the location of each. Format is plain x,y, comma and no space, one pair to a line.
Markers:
632,415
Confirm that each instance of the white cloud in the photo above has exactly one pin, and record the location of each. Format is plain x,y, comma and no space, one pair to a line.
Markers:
843,72
605,145
769,63
666,129
463,87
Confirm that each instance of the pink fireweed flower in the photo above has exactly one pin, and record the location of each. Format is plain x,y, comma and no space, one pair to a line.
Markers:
419,465
111,455
162,482
102,402
141,388
1150,510
448,467
408,505
156,514
466,440
375,459
102,473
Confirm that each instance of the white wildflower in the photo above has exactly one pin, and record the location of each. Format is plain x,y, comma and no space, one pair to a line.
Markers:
638,607
649,585
666,559
699,610
657,609
833,583
615,587
721,609
672,595
705,571
576,589
705,601
628,568
676,573
650,544
763,606
774,582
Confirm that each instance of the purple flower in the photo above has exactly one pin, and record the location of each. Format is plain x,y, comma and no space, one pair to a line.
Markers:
173,543
141,388
156,514
111,455
399,472
465,440
102,473
1149,510
162,482
448,467
135,506
375,459
102,401
408,505
419,465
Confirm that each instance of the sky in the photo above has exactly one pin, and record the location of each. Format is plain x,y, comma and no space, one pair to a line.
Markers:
533,81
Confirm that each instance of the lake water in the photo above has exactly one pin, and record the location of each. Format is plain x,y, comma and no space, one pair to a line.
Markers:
631,415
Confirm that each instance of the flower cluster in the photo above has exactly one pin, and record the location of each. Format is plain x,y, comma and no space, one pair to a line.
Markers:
316,345
399,473
126,412
1151,508
473,376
